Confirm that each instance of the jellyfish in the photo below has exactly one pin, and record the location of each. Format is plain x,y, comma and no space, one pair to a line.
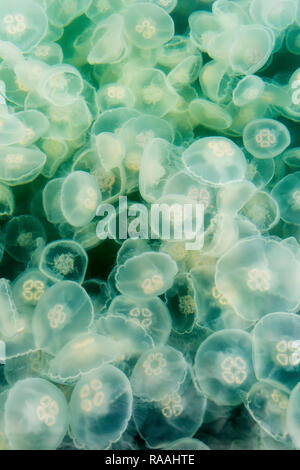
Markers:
62,12
148,26
153,315
12,129
7,201
249,89
23,235
110,149
100,408
28,288
115,95
209,114
36,125
268,404
146,275
287,195
23,24
80,197
180,299
52,201
20,165
177,416
185,72
158,373
62,85
36,415
63,312
277,349
215,160
64,260
262,209
223,366
266,138
259,276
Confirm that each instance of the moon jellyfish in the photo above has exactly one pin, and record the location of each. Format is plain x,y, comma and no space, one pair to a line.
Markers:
64,260
52,201
247,90
81,355
277,349
161,422
262,210
7,201
23,24
215,160
36,415
293,416
147,275
100,408
20,165
267,404
131,336
181,301
158,373
28,288
287,194
23,235
209,114
259,276
12,129
148,26
80,197
63,312
266,138
153,315
62,85
223,366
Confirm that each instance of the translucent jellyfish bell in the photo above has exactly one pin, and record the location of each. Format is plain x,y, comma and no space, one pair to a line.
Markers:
62,85
36,125
147,275
215,160
7,201
22,23
158,373
28,288
100,408
266,138
63,312
10,321
110,149
82,355
267,404
209,114
179,415
36,415
51,201
148,26
152,315
64,260
293,416
20,165
262,210
80,197
287,194
223,366
259,276
249,89
12,130
23,235
277,349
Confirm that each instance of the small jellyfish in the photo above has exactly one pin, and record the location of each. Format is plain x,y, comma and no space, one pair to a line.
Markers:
51,201
28,288
110,150
62,85
153,315
181,301
148,26
22,23
80,197
158,373
177,416
266,138
12,130
247,90
293,416
100,408
147,275
262,209
23,235
223,366
115,95
64,260
63,312
36,415
215,160
276,349
36,125
20,165
287,195
267,404
209,114
259,276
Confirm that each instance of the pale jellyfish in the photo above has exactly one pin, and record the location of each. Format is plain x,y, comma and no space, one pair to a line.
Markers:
100,408
36,415
20,165
223,366
147,275
266,138
63,312
158,373
287,195
23,235
276,349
